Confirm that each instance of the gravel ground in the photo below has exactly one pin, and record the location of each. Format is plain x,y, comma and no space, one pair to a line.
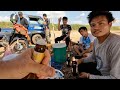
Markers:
67,71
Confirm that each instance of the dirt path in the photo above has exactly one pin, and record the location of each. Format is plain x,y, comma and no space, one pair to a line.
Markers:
74,35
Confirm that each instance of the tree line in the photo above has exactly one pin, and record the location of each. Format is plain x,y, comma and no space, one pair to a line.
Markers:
74,26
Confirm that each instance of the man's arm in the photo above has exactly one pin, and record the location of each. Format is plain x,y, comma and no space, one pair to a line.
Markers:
114,63
48,21
68,35
89,49
90,58
26,23
101,77
59,20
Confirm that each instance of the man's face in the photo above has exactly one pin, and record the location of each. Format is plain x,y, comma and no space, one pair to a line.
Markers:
83,32
65,21
44,17
100,26
20,15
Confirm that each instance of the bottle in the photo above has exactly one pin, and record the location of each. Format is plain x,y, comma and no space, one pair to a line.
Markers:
74,67
68,59
39,50
38,56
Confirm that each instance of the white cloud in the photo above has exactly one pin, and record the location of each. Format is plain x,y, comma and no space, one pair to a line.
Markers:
77,17
52,14
4,18
117,21
82,14
76,22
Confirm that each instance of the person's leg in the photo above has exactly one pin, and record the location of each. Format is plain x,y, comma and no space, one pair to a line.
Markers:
81,48
76,49
59,39
47,32
70,46
86,54
89,68
67,41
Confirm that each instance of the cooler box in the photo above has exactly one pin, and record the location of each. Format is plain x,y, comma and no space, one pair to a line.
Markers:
59,50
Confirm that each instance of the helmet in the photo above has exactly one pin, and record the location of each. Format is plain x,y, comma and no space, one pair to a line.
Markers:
13,18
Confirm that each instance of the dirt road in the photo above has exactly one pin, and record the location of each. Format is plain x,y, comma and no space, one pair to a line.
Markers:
74,35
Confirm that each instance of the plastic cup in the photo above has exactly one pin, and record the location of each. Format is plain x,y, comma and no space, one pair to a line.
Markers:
9,57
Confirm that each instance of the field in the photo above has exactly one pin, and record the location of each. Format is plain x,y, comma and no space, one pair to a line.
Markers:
74,35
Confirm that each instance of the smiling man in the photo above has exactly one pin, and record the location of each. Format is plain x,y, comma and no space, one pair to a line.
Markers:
106,52
85,46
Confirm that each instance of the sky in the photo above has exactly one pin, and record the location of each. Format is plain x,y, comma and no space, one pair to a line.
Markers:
74,17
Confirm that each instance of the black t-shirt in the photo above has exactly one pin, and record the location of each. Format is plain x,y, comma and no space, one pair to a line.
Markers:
65,29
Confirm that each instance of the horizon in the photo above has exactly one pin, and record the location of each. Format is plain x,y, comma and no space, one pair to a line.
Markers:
74,17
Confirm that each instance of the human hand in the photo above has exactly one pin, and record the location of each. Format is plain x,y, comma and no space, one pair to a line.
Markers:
64,39
81,54
84,75
27,65
44,23
45,61
86,55
79,61
59,19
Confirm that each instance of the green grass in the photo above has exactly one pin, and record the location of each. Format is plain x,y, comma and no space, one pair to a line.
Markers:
74,26
5,24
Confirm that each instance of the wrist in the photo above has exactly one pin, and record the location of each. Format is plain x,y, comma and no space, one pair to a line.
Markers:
88,75
82,53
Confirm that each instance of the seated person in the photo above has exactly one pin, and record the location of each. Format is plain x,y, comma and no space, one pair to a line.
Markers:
106,51
66,29
85,45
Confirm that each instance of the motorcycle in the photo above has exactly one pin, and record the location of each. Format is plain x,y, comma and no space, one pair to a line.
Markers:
17,42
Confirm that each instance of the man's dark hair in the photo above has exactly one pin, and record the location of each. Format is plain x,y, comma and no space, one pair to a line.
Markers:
65,18
45,15
84,28
94,14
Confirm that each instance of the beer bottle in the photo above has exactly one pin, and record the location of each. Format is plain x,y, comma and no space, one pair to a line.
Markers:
68,59
39,50
74,67
38,56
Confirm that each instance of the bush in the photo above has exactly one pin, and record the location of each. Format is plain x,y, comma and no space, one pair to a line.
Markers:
74,26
